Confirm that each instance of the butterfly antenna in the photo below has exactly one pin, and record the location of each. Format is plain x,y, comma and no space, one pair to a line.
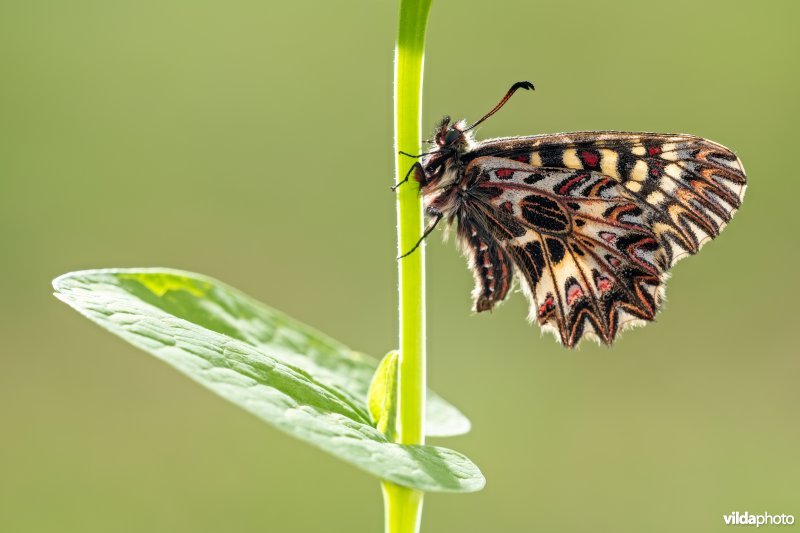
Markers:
519,85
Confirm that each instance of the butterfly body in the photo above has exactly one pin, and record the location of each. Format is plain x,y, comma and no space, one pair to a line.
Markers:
588,222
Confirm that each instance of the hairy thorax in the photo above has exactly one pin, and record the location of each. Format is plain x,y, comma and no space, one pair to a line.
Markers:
444,181
443,195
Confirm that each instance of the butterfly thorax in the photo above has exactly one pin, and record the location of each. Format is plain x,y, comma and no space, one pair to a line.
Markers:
441,172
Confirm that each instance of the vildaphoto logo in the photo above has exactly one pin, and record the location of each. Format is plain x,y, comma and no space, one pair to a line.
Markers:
746,519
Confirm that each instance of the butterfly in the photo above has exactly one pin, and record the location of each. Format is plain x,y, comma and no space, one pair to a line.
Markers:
589,222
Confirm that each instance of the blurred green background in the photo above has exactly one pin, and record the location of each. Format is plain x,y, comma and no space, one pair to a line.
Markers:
251,141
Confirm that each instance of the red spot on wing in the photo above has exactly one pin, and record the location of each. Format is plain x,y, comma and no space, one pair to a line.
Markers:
504,173
522,158
603,283
547,307
575,292
656,167
608,236
590,159
654,150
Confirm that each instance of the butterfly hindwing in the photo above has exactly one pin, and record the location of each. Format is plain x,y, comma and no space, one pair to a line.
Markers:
579,241
490,264
693,185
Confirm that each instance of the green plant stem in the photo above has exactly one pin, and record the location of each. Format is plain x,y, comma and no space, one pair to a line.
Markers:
403,506
408,88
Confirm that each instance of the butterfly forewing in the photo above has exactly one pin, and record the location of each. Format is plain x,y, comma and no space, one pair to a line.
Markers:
693,185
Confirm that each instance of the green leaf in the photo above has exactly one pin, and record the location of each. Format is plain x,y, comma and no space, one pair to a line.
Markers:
382,400
221,308
242,351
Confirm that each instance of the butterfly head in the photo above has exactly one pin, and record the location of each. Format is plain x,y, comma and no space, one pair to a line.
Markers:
451,137
450,141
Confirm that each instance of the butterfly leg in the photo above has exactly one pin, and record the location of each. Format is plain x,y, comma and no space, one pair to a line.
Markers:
415,156
431,226
415,166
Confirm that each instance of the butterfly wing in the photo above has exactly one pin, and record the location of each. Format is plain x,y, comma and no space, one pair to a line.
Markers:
693,185
580,243
492,267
